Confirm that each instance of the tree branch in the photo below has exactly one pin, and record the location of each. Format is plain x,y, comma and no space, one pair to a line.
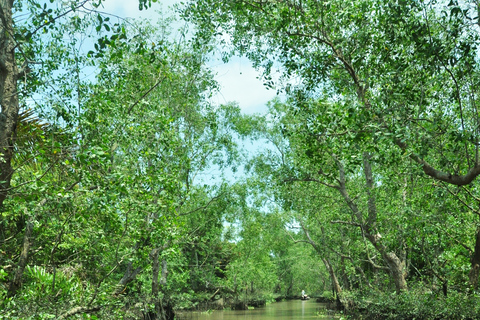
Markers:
202,207
346,222
460,243
295,240
461,200
292,179
78,310
55,18
454,179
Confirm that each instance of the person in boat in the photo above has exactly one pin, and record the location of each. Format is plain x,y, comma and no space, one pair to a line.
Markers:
304,296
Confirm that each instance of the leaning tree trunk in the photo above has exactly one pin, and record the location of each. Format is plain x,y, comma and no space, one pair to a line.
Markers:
395,265
341,302
129,275
335,284
337,289
8,96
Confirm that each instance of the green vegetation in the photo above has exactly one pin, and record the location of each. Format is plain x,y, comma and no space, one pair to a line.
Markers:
115,196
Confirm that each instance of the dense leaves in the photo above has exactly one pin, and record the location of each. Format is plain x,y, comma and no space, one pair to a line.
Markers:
115,190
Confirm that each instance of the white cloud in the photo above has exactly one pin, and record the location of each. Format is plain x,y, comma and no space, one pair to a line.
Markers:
239,82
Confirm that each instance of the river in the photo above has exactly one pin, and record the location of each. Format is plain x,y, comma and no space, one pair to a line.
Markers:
285,310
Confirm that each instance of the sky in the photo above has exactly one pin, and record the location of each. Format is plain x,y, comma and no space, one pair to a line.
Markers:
237,79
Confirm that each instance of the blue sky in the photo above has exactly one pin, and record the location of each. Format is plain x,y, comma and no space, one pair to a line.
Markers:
237,79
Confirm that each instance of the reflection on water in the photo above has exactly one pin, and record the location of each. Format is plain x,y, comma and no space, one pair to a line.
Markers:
286,310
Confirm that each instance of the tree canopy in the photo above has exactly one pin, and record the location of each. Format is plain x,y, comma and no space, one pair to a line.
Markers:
116,196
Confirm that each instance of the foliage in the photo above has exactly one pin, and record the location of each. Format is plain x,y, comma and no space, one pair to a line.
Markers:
417,304
366,179
108,184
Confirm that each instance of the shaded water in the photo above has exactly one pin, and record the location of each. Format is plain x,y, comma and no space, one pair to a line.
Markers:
285,310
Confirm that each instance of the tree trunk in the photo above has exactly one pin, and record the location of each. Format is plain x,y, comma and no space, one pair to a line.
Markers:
335,284
395,264
337,290
333,277
396,267
163,280
128,277
8,96
16,282
475,263
155,284
161,312
345,279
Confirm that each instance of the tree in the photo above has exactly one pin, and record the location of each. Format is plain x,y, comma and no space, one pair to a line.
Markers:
111,179
9,75
21,46
404,72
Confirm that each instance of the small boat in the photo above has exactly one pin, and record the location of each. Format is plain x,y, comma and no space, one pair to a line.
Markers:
305,297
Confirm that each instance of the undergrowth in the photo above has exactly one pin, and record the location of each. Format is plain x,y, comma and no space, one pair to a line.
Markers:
415,305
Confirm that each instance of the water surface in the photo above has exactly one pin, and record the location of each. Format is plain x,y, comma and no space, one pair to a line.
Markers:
285,310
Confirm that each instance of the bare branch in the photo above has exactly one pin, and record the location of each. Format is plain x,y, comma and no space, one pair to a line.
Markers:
145,94
376,266
295,240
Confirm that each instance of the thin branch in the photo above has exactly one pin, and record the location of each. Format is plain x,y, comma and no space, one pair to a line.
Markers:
346,222
56,18
311,180
8,239
470,194
460,199
145,94
33,180
457,91
459,242
202,207
295,240
376,266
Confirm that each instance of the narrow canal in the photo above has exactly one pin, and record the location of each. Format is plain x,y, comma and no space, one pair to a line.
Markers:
285,310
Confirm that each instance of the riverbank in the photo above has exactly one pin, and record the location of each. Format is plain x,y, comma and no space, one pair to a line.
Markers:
225,301
413,305
203,303
371,305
